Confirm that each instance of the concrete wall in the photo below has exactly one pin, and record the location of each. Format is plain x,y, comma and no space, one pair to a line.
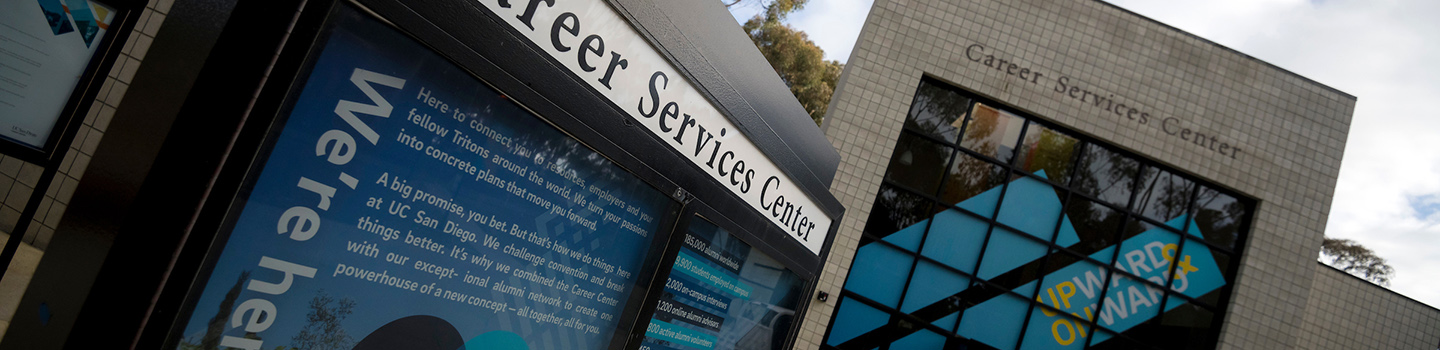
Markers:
1291,131
1345,313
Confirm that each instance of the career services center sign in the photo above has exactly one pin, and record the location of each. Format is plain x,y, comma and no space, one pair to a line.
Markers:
598,45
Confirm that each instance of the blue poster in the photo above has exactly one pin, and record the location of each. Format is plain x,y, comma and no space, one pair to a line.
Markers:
406,205
723,294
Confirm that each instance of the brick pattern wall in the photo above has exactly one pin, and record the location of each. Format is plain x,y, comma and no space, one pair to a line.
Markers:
1345,312
1291,131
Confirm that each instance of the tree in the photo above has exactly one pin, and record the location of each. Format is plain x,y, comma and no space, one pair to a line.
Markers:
784,7
324,331
799,62
216,327
1351,257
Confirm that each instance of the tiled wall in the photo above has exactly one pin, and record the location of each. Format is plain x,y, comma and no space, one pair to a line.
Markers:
1350,313
1291,131
18,179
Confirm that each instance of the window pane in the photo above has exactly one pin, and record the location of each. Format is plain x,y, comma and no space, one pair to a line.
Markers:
1198,271
1034,207
1012,259
1163,196
1219,216
900,213
854,318
1071,290
1104,340
955,239
1186,327
995,322
1096,225
1049,151
882,275
937,111
1106,175
932,284
1053,329
992,132
922,339
918,163
1149,252
969,177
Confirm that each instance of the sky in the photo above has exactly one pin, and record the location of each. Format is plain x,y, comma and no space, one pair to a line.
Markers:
1385,52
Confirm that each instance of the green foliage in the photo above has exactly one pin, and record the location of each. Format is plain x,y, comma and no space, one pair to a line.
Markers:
1349,256
799,62
323,330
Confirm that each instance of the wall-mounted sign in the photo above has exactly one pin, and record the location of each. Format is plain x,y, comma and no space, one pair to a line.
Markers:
1109,103
723,294
599,47
45,46
406,205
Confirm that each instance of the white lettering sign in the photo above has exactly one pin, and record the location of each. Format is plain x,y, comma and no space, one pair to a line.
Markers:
598,45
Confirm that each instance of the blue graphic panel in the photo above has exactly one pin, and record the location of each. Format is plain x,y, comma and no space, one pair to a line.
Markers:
882,274
955,240
933,284
854,319
1075,291
996,322
407,197
922,339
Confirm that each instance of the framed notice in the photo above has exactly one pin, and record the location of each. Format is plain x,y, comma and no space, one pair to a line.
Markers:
401,203
47,49
723,294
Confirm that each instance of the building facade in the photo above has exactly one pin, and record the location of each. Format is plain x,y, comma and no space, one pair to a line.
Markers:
1068,174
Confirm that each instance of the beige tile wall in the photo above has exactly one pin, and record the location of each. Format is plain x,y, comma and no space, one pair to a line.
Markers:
1291,130
1345,312
18,179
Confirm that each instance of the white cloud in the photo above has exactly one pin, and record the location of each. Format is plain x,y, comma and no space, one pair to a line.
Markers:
833,25
1382,52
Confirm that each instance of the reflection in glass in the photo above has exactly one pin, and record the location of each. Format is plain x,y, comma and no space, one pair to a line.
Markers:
970,176
1048,150
1097,225
1102,339
894,210
1162,195
918,163
1219,216
937,112
1113,258
1106,175
1185,327
992,132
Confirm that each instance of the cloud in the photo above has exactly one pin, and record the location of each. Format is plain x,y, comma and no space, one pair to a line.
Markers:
834,25
1382,52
